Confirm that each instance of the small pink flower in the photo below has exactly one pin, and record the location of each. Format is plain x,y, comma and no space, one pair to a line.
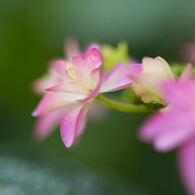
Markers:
45,124
81,81
174,126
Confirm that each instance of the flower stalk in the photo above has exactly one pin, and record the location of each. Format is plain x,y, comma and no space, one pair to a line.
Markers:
124,107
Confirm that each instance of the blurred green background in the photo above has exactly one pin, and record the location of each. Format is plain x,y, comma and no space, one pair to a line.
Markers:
31,34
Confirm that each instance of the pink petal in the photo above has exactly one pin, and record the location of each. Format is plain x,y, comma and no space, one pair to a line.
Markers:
119,77
187,73
47,123
94,45
72,49
72,124
60,67
84,72
53,101
167,129
93,58
176,93
50,79
114,69
93,93
68,87
81,68
186,160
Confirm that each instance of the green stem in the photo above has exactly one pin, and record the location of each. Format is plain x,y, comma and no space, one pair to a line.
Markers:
122,106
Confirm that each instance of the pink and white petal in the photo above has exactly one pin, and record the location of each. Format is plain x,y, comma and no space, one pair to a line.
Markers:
83,71
167,130
80,66
47,123
119,78
93,58
93,93
72,124
157,65
53,101
93,45
186,162
166,66
71,48
52,77
60,67
112,71
68,87
187,73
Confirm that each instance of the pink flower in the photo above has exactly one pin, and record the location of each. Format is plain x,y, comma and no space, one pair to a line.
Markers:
81,81
166,129
46,123
174,126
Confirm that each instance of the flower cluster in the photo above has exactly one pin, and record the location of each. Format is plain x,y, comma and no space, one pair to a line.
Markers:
73,85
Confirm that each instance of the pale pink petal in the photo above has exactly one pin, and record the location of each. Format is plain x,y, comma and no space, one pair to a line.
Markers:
166,65
186,161
50,79
68,87
187,73
93,93
188,52
93,45
80,66
84,72
119,77
158,65
97,111
175,93
60,67
72,48
112,71
53,101
47,123
93,58
167,129
72,123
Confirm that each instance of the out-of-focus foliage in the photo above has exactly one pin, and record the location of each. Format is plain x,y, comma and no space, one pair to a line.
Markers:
112,56
179,68
39,175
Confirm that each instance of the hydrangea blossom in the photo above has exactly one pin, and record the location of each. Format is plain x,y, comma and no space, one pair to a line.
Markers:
46,123
174,126
81,81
